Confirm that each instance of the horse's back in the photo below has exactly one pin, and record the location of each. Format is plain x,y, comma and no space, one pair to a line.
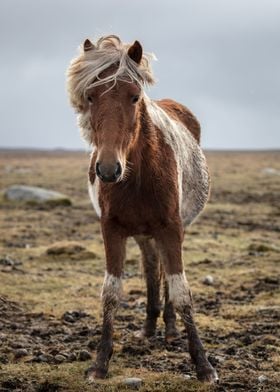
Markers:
181,130
181,113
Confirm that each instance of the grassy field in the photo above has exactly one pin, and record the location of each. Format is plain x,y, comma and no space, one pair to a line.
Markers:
50,300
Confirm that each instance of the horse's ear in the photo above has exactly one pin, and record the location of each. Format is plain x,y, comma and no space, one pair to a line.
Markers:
88,45
135,52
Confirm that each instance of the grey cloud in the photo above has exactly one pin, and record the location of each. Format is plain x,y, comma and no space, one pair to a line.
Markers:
221,58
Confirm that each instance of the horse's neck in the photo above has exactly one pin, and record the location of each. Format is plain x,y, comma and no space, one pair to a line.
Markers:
147,141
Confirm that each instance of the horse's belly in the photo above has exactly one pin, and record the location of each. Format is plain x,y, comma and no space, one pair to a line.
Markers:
193,177
192,171
195,186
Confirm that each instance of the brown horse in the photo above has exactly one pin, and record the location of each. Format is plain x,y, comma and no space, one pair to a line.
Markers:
147,178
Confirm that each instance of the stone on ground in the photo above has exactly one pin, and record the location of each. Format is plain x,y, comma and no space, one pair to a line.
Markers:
84,355
270,171
208,280
32,194
133,382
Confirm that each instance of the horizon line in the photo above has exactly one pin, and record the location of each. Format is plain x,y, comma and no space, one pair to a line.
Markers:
79,150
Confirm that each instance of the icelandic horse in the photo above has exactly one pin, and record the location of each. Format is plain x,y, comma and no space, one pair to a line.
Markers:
148,179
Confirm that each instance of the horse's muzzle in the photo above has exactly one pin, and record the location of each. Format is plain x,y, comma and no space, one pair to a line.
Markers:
108,172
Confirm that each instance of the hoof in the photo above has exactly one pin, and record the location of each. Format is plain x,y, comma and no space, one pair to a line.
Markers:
207,374
171,335
93,373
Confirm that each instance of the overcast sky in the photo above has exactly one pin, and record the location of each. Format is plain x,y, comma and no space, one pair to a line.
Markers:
219,57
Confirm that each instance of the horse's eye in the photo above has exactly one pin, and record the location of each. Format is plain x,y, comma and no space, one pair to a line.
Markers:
135,98
89,98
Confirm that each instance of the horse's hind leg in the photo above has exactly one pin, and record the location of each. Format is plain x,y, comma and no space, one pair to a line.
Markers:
169,241
169,316
151,266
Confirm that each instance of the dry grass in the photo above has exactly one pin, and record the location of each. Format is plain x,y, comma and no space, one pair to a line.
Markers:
236,241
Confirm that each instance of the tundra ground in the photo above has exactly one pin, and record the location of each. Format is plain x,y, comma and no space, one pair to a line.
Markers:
50,295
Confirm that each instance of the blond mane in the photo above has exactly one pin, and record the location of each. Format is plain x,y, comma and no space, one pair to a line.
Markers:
84,71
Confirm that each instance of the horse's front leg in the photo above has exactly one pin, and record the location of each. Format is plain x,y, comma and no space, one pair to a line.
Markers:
111,292
170,241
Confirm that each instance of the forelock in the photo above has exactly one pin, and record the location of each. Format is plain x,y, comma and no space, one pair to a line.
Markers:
84,70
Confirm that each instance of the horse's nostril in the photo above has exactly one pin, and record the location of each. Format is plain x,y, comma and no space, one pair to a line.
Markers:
118,170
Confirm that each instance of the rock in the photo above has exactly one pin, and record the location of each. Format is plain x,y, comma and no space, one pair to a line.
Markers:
7,261
208,280
84,355
271,171
59,358
44,358
133,382
32,194
215,359
75,315
20,352
72,357
262,378
187,376
4,359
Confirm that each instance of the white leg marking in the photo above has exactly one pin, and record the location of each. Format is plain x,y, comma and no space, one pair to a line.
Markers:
112,287
179,290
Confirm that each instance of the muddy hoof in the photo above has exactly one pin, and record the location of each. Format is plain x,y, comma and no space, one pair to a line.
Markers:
93,373
171,335
207,374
